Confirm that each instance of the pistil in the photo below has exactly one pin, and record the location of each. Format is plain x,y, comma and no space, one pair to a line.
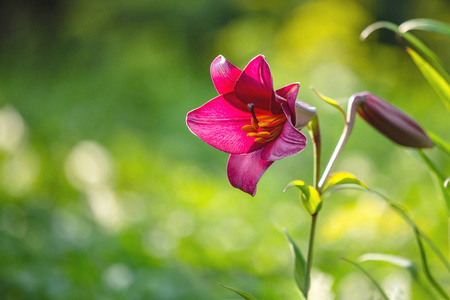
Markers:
251,108
264,128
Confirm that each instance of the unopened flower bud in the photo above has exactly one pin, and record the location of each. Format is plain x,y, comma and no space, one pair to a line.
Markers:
391,121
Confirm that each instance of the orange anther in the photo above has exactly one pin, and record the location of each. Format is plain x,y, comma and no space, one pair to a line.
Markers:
248,128
263,134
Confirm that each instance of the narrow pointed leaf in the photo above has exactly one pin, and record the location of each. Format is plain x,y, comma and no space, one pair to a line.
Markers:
310,197
426,25
437,82
392,259
419,237
299,263
440,143
404,214
378,25
430,56
330,101
398,261
239,292
375,283
440,176
342,178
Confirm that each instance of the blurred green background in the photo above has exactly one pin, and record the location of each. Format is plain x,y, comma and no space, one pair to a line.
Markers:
105,194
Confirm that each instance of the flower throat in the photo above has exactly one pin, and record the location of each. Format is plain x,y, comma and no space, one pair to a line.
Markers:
264,127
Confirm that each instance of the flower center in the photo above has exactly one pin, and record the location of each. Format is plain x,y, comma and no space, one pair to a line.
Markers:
264,128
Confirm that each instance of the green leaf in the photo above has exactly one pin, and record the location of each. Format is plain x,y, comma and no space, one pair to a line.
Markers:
419,237
310,197
401,262
440,143
239,292
330,101
429,55
406,35
437,82
299,263
342,178
426,25
378,287
378,25
440,176
389,258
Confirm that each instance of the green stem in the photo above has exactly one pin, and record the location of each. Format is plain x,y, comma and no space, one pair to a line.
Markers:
426,270
309,260
314,131
349,122
419,237
431,165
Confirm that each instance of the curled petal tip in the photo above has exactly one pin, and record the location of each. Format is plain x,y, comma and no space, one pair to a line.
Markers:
303,114
224,74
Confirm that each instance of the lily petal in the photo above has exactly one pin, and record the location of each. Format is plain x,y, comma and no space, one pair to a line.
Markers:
303,114
255,84
290,142
289,93
219,123
224,74
245,170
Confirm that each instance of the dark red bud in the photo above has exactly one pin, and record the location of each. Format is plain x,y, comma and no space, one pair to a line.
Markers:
392,122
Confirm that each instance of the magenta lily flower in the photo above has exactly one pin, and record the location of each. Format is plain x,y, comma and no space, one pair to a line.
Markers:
250,121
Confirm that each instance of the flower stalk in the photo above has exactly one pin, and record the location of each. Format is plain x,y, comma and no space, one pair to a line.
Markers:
309,259
319,183
314,131
349,123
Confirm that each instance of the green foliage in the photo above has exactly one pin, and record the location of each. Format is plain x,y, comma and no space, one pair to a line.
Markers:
239,292
309,196
439,84
375,283
342,178
330,101
299,263
426,25
435,73
441,177
400,262
414,41
420,237
153,216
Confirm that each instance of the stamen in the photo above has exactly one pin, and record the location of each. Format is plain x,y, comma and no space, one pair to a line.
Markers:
248,128
263,134
272,123
275,133
267,130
